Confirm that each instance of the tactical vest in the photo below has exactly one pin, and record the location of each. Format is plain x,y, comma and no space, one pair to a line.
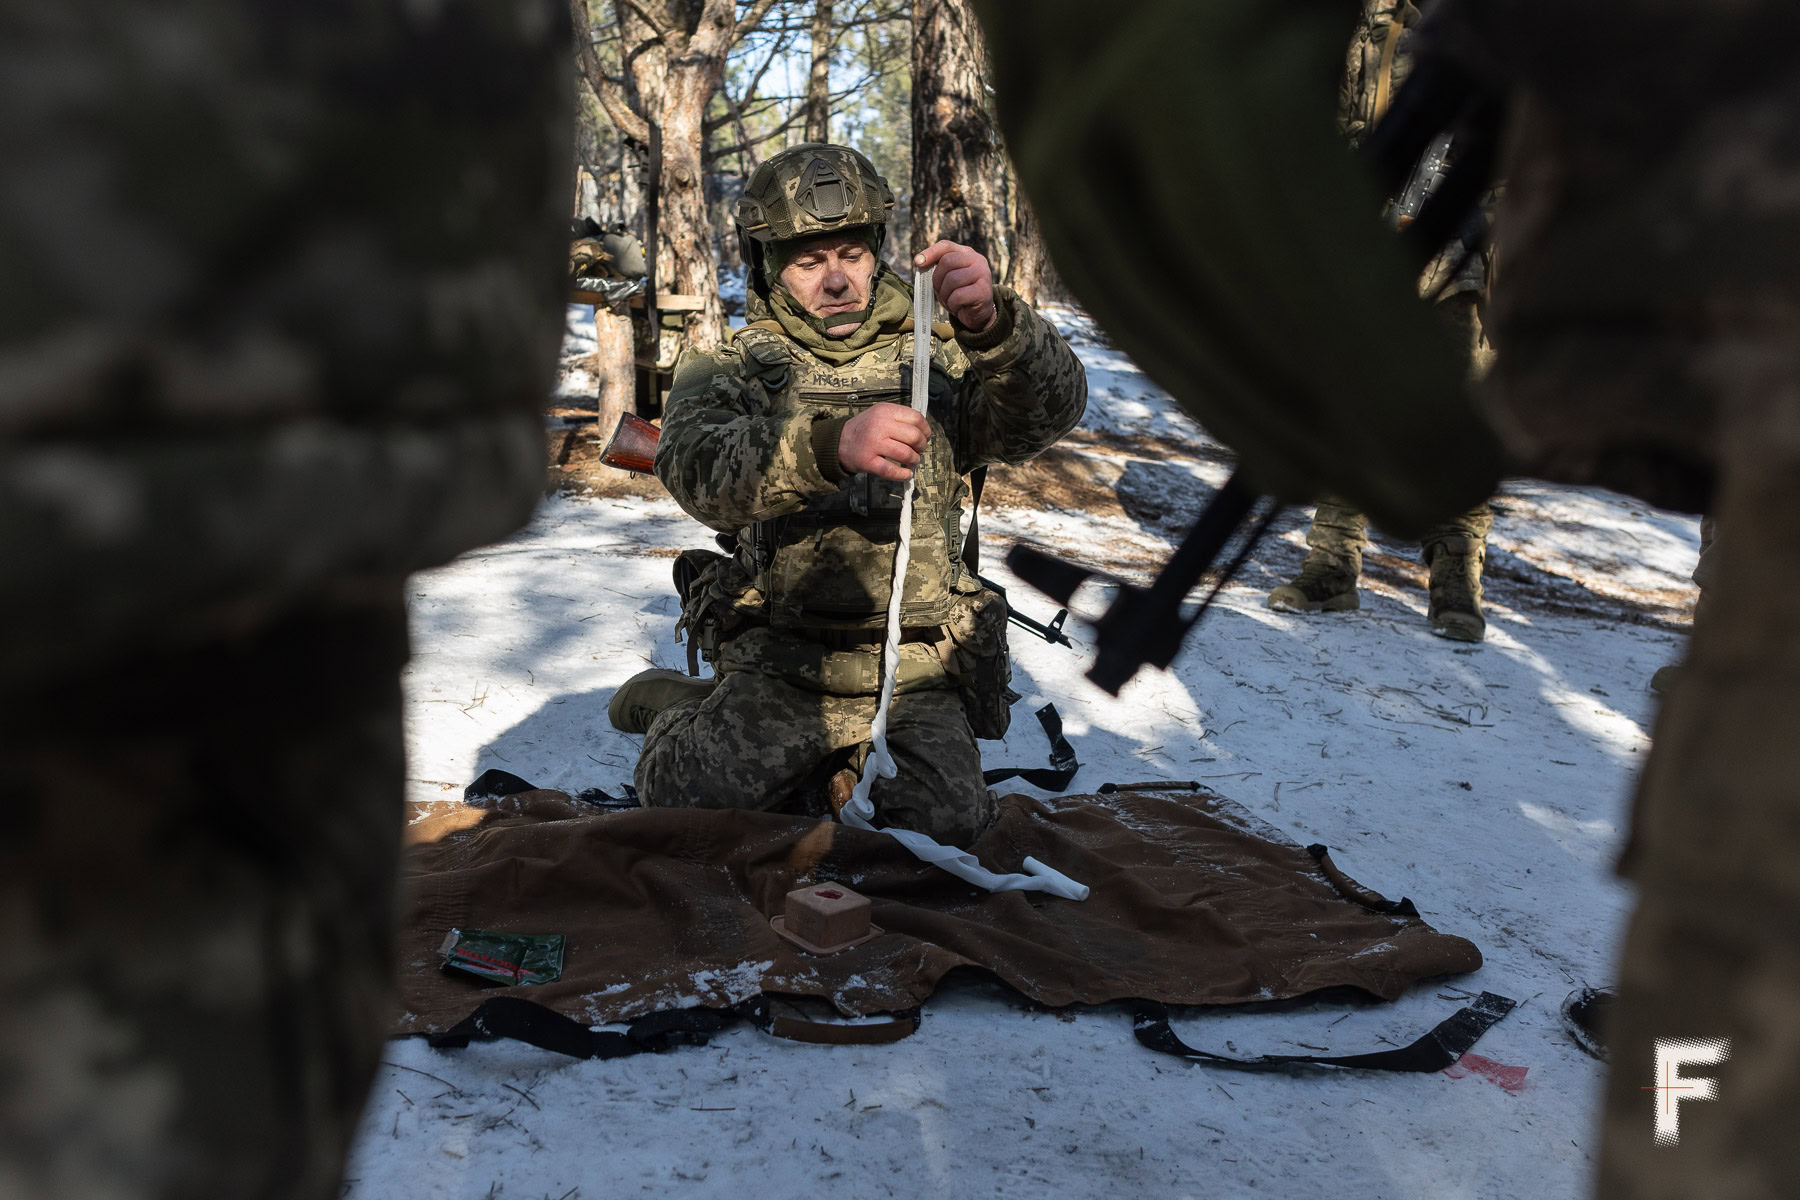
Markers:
831,565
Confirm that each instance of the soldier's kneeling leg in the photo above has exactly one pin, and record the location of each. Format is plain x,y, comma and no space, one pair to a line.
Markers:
939,791
753,742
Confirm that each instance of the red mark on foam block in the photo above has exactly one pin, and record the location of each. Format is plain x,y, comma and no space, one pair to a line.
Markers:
1510,1078
824,895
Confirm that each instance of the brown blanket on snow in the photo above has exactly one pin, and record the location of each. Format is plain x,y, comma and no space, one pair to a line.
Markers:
1193,902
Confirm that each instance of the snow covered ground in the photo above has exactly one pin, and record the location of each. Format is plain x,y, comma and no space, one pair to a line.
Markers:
1488,783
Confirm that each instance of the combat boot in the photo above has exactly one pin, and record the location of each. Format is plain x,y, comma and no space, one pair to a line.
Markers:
1455,610
643,697
1325,584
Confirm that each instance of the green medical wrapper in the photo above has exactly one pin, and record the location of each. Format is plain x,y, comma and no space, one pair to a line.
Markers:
510,958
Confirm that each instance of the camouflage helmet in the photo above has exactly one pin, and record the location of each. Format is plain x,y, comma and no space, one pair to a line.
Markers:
807,190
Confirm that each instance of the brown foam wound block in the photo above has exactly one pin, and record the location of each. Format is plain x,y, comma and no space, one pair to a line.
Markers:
827,914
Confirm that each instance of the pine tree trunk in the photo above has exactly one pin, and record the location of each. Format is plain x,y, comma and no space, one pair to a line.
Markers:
674,91
675,51
818,83
614,376
687,263
956,145
1029,265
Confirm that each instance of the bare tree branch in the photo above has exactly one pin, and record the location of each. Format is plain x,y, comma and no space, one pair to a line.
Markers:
745,144
775,51
753,18
798,116
618,110
735,108
659,25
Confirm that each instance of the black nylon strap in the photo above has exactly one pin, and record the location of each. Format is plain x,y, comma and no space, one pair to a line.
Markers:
1063,764
518,1019
1442,1046
493,783
1355,892
971,553
522,1020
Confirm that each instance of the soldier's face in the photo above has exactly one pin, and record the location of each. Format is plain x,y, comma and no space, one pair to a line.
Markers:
831,276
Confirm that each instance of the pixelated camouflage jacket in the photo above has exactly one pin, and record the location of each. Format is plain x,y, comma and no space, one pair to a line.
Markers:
281,290
749,447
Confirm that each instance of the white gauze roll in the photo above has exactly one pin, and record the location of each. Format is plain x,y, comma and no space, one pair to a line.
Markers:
860,810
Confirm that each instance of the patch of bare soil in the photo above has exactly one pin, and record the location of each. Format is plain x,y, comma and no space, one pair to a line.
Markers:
1061,479
574,444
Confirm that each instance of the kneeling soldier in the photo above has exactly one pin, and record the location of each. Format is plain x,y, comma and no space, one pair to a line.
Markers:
795,441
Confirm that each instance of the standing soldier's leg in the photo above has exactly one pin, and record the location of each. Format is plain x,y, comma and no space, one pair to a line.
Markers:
1713,950
1327,579
197,889
1455,553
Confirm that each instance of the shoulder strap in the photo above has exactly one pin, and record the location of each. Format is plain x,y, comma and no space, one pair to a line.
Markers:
766,325
766,346
1384,72
971,551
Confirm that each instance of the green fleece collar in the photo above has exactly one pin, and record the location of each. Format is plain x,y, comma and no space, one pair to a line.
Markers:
888,316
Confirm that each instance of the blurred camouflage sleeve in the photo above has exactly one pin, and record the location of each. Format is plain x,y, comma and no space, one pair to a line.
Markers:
1021,387
280,298
728,461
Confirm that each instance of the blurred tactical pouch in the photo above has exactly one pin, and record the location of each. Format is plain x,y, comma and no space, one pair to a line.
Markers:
975,655
718,602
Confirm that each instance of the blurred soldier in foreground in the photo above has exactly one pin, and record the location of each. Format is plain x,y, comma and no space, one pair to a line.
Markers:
281,298
1704,576
794,441
1648,326
1453,550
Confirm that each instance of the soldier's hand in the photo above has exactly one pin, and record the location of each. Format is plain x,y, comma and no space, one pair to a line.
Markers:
883,439
964,283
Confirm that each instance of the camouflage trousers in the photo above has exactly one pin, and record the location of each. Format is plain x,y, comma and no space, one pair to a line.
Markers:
1340,534
769,737
1713,950
196,889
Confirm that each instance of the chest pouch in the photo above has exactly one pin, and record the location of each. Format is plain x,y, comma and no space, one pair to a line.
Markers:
975,655
831,566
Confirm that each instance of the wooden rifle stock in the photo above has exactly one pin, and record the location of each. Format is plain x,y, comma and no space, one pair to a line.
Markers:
632,446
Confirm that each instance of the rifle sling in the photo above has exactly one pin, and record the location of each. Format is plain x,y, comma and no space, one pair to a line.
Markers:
971,552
